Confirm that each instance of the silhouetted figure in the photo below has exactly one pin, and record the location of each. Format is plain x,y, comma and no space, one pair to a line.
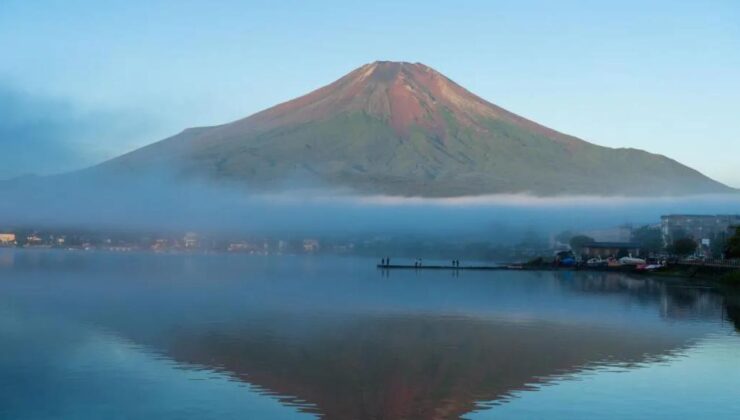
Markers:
387,260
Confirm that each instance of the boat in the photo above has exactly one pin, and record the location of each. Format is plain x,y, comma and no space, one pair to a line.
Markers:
612,262
565,259
632,261
568,262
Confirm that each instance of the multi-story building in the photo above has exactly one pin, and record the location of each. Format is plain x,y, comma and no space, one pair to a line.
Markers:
704,229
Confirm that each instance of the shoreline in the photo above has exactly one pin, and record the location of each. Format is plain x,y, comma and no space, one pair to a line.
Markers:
721,275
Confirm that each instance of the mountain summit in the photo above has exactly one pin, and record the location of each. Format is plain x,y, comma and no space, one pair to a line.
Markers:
405,129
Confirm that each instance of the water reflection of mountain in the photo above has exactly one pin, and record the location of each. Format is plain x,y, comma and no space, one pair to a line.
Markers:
411,367
427,365
344,342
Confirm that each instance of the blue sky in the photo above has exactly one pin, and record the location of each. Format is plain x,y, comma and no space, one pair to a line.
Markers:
82,81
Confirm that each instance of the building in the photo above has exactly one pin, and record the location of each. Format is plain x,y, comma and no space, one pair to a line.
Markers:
282,246
7,238
611,249
34,239
190,240
160,245
311,245
704,229
242,246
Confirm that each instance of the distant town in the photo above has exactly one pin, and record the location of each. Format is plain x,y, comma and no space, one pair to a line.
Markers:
696,236
169,242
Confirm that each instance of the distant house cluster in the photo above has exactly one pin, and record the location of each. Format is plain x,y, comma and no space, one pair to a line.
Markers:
708,232
699,236
189,242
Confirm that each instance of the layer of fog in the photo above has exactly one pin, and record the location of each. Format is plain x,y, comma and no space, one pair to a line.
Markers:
161,202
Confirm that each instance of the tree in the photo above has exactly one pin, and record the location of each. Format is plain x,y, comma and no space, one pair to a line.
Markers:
733,245
683,247
578,242
677,233
718,245
649,238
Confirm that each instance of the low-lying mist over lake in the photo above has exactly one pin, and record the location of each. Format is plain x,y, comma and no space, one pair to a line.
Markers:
158,201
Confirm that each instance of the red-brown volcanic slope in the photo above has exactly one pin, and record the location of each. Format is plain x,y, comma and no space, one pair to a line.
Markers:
404,94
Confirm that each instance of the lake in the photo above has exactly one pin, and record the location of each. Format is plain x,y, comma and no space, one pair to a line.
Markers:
93,335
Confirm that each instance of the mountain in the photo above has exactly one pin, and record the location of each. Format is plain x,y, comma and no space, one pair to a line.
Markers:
405,129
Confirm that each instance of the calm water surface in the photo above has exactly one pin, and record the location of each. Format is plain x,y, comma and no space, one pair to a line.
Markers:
96,335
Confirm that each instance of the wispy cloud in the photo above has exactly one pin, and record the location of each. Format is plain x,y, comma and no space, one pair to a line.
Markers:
521,200
40,135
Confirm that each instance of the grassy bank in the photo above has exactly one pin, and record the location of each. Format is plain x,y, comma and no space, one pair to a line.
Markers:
732,278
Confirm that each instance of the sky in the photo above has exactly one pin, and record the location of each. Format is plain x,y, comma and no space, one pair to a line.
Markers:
84,81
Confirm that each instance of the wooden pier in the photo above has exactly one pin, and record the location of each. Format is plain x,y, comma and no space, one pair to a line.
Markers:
449,267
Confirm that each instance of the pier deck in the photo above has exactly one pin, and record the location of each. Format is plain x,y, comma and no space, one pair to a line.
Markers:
447,267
